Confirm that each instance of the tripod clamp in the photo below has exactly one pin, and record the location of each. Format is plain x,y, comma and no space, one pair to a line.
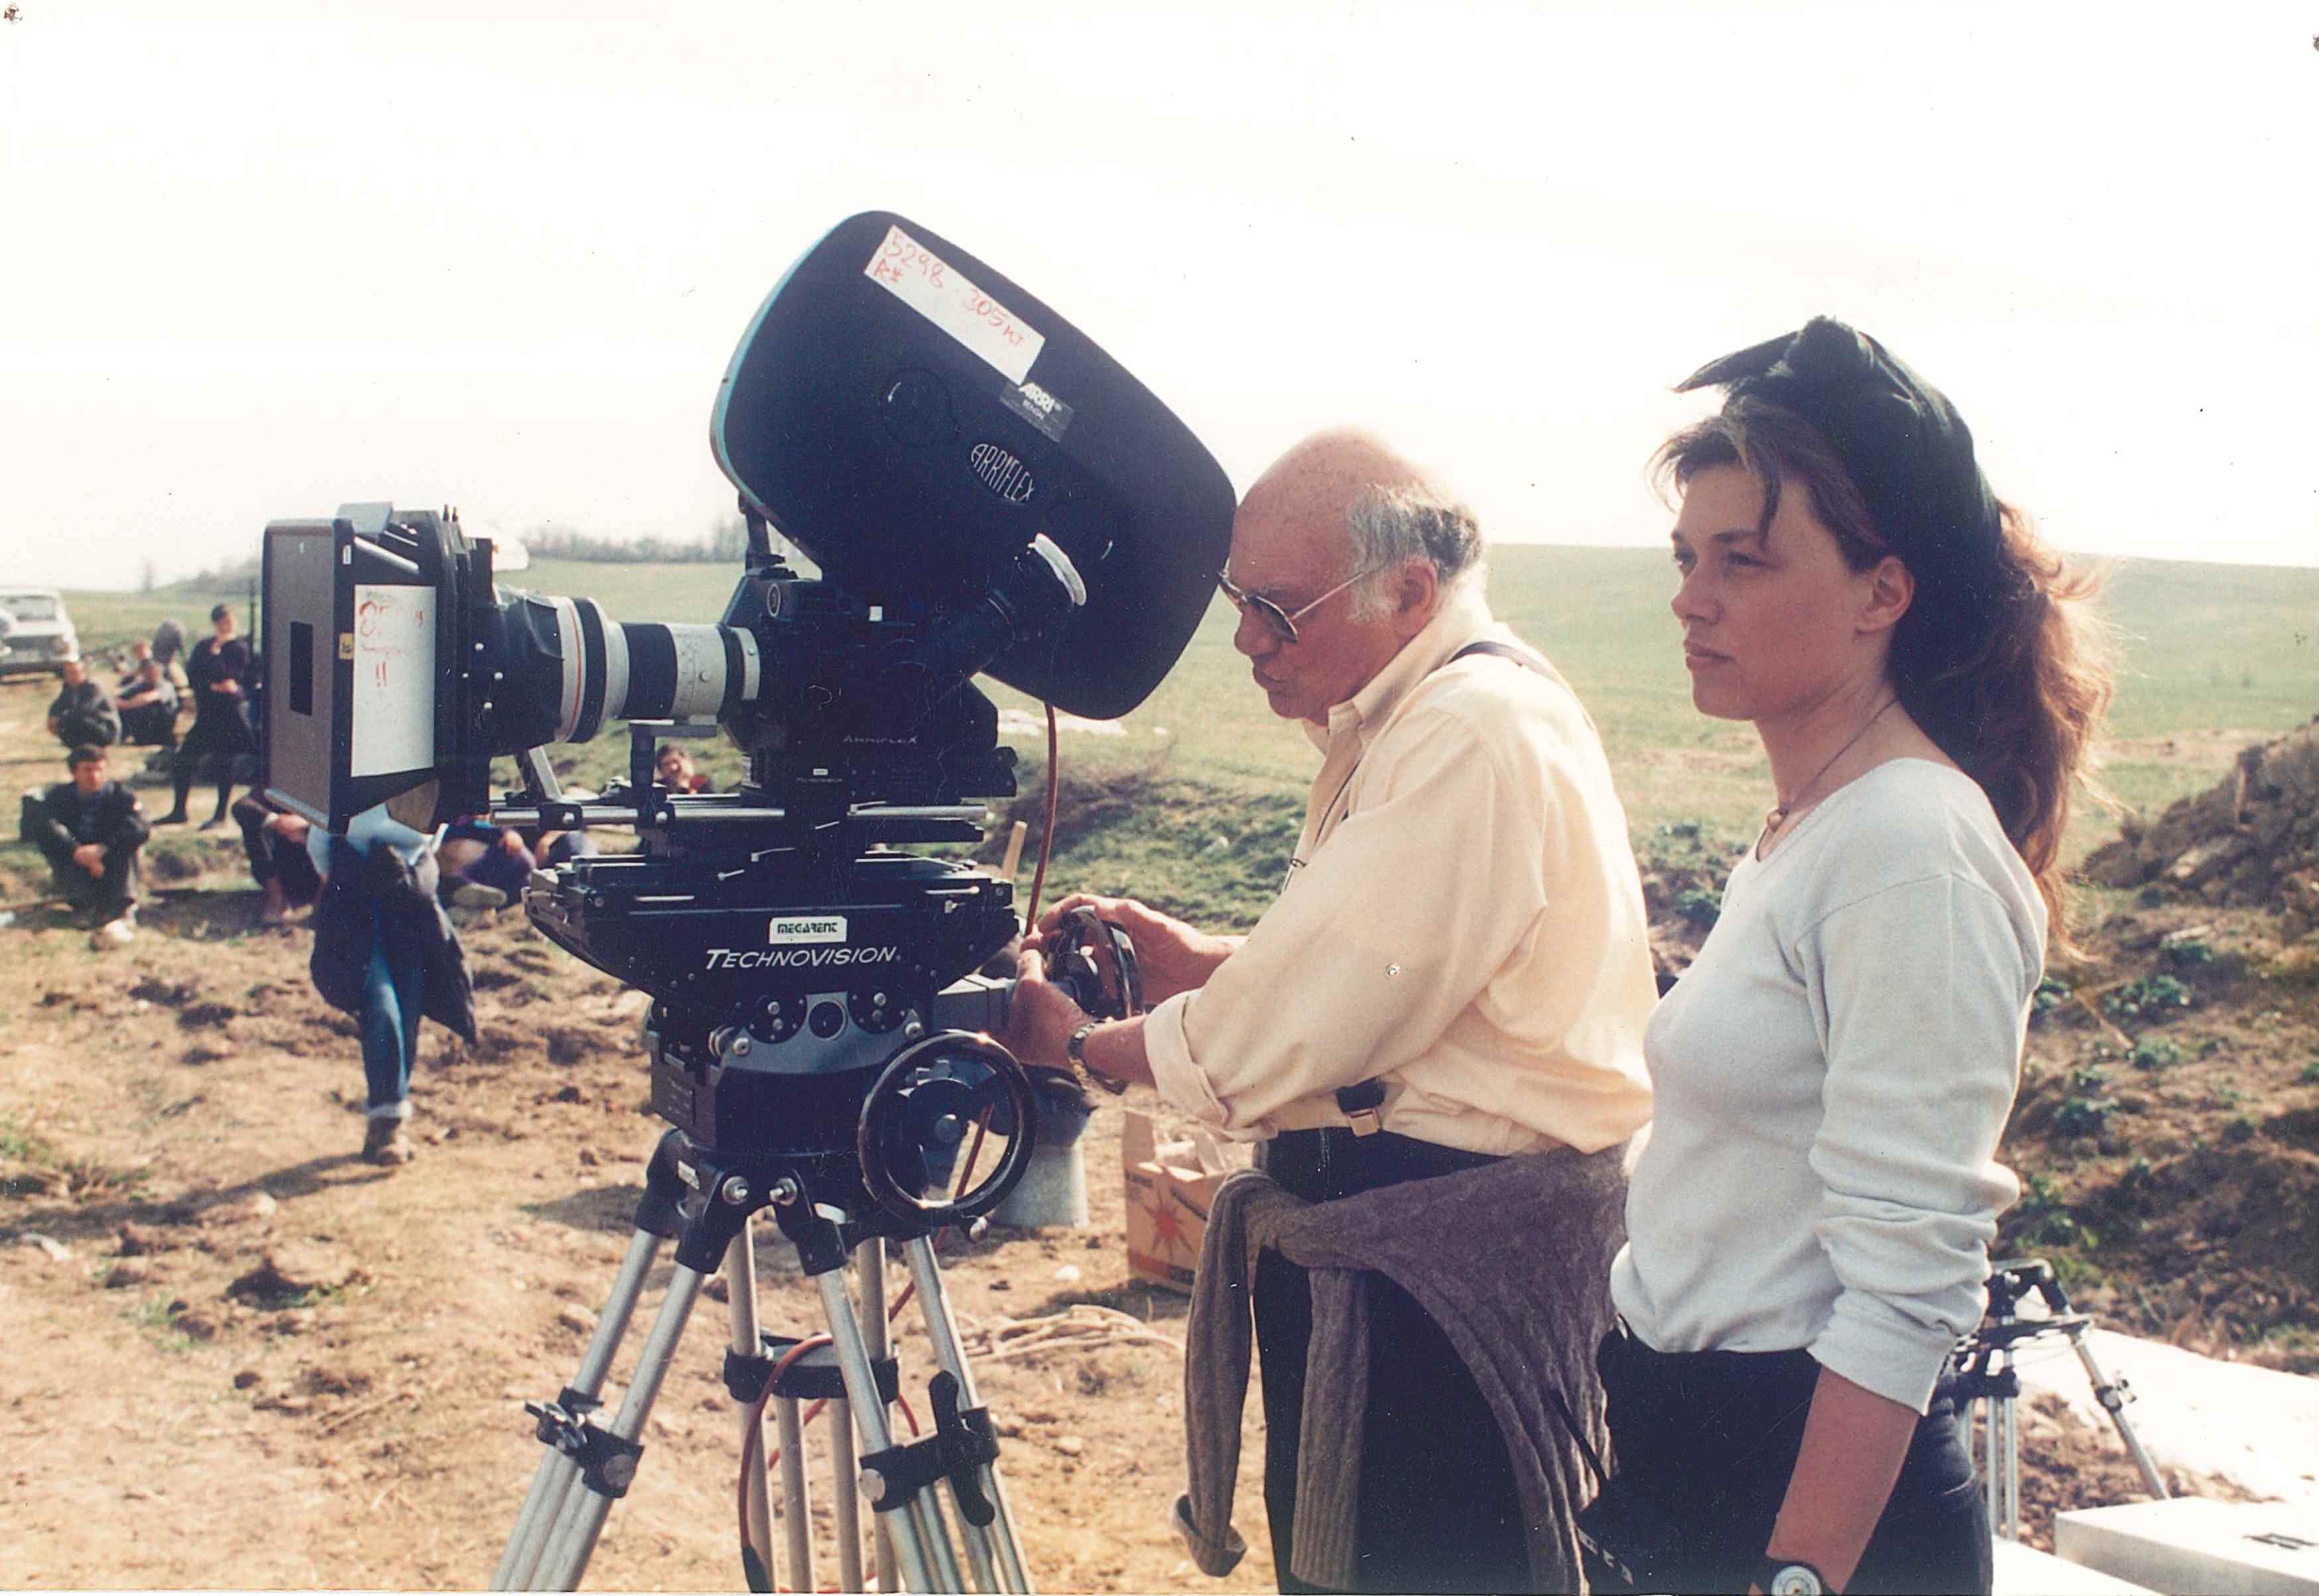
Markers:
606,1462
963,1446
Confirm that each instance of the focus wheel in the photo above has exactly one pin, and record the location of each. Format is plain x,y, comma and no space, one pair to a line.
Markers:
922,1119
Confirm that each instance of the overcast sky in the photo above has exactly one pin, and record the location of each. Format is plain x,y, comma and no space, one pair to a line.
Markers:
262,259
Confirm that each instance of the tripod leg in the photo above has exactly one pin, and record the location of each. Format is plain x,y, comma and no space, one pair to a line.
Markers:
557,1473
877,1332
582,1518
1989,1475
741,1297
796,1503
996,1540
845,1496
2113,1396
910,1548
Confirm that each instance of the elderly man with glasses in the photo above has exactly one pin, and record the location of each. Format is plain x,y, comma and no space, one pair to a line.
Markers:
1450,989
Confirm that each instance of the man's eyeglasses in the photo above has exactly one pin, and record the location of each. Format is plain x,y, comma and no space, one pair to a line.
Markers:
1283,622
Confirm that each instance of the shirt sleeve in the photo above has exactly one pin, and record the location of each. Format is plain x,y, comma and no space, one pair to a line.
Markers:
1381,938
1921,992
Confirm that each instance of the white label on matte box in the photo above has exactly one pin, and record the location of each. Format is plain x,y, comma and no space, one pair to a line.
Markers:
394,701
808,928
929,285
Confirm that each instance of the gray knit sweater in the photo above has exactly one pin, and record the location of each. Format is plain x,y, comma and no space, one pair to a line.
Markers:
1511,1259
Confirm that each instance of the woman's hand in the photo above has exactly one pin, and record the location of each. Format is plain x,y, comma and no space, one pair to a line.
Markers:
1170,956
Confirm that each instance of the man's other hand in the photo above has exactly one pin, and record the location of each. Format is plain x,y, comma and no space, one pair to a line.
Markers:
90,857
1170,956
1040,1015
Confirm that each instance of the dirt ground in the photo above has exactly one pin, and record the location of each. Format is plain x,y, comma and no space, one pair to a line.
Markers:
237,1356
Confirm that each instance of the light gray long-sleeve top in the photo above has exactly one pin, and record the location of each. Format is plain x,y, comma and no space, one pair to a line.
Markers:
1833,1074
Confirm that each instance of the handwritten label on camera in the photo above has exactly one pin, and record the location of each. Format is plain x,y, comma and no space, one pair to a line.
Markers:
929,285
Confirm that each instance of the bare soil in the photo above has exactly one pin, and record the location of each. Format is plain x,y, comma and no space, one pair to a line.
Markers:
237,1356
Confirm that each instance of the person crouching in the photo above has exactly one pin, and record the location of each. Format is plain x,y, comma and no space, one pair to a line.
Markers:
90,830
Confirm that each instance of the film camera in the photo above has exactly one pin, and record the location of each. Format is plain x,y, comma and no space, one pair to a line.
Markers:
980,488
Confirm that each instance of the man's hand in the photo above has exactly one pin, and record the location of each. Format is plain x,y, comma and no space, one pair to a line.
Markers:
1040,1015
1170,957
90,857
511,844
229,687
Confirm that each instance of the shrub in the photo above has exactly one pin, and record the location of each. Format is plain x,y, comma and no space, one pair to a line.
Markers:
2155,1052
2147,998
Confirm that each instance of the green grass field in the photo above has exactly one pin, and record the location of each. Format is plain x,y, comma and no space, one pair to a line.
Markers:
2211,656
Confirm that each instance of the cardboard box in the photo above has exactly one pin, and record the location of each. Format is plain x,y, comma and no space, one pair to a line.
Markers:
1169,1187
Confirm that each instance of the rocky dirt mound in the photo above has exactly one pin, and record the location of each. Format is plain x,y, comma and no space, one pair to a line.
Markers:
2250,839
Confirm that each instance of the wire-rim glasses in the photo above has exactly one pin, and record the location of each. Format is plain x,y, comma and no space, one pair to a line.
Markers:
1283,622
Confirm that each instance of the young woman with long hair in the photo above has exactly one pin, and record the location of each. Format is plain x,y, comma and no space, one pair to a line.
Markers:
1809,1227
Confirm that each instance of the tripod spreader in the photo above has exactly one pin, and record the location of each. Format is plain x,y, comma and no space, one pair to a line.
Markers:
746,1377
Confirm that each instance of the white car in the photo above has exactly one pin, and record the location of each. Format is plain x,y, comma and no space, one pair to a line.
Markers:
39,635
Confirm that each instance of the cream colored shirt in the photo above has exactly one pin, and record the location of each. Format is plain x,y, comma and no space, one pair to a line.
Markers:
1462,922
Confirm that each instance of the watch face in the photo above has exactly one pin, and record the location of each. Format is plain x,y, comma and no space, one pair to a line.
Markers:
1797,1579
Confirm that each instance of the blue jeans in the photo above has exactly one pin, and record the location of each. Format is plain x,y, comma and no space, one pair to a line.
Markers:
394,989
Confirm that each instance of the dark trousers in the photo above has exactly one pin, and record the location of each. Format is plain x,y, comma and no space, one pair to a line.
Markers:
153,726
1710,1440
102,898
98,731
1438,1505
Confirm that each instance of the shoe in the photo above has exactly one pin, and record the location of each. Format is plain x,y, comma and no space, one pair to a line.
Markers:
475,895
113,933
174,817
212,823
385,1143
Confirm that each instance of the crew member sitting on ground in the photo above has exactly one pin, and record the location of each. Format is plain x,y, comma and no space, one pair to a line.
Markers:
1455,975
139,652
276,841
90,830
83,712
148,707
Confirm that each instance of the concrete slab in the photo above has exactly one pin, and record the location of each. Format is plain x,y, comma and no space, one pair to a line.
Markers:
2194,1543
2024,1571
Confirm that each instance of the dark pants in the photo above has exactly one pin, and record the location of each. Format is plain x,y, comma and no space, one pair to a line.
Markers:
273,857
218,736
98,731
1710,1439
1438,1505
101,897
150,725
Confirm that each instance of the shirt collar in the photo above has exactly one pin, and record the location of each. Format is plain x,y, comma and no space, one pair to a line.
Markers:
1463,617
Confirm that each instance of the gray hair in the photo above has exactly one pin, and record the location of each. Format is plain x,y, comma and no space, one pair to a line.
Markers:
1389,526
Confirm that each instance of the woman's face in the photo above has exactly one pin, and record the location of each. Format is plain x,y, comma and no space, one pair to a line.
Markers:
1773,621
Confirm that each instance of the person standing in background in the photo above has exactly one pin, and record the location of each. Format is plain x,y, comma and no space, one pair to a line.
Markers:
220,672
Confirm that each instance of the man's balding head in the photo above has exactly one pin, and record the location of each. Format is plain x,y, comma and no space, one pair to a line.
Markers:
1342,510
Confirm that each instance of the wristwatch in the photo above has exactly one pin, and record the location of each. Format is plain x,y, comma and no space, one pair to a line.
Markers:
1785,1576
1075,1049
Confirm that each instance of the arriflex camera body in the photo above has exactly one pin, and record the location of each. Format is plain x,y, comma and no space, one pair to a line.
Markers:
981,489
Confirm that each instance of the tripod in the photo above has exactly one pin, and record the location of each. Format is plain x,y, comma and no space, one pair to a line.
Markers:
704,1201
1989,1382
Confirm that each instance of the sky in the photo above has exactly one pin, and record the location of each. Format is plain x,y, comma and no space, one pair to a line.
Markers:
258,260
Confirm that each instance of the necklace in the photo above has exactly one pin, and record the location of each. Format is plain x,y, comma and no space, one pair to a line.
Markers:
1773,817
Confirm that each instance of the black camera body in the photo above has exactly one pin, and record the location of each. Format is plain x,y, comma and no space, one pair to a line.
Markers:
981,489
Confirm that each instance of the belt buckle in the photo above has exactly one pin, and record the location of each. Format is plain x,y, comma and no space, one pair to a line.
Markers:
1366,1121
